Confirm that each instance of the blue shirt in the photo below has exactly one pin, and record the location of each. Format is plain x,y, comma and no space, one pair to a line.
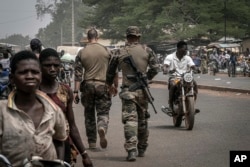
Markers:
197,61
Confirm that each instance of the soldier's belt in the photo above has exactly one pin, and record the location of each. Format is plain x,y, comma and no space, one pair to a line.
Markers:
94,81
129,88
91,82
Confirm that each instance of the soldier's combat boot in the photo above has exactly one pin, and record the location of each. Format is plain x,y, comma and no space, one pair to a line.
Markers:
131,155
141,152
103,140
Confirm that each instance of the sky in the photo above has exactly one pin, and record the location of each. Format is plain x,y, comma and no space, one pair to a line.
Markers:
19,17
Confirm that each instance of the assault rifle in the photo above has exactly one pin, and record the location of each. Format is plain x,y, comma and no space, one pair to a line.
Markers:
140,80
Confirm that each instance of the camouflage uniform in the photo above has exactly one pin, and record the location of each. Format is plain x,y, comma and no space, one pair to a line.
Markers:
135,104
94,59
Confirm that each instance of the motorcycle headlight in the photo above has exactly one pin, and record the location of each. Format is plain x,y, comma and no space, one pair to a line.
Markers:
188,77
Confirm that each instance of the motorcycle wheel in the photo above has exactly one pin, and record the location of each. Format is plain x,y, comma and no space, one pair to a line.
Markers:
177,119
189,115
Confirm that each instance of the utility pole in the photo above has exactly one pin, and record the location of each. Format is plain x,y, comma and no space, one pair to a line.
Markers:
225,21
61,35
73,24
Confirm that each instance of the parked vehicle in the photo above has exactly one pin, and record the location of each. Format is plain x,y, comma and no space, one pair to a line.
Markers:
184,101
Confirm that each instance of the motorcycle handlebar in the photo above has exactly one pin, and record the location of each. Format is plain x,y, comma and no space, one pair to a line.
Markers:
180,74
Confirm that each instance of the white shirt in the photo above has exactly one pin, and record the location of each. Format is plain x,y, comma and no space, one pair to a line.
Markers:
181,66
227,56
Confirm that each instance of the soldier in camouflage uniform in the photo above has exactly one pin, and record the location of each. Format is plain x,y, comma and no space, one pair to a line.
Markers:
94,59
134,103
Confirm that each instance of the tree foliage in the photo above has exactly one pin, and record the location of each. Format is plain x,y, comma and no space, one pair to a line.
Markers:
59,31
16,39
173,19
158,20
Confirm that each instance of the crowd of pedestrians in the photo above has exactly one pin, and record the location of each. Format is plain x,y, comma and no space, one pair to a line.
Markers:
223,59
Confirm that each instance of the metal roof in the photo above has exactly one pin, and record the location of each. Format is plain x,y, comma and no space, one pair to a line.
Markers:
223,45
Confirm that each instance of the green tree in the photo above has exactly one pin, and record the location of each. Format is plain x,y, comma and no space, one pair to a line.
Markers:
158,20
172,19
113,17
17,39
60,29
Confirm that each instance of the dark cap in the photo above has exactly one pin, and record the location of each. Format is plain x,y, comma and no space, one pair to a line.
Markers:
133,30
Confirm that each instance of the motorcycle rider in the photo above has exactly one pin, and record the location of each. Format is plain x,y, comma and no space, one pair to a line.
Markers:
214,58
177,63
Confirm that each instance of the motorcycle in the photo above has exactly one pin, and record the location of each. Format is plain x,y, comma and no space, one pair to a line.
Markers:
183,100
35,161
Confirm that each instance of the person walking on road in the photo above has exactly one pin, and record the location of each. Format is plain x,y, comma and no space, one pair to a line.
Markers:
197,62
203,56
62,95
134,102
233,61
95,97
227,58
29,119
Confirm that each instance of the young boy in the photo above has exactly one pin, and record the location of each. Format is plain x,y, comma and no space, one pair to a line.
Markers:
62,95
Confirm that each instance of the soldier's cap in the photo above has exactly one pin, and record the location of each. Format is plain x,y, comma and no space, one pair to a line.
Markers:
133,30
